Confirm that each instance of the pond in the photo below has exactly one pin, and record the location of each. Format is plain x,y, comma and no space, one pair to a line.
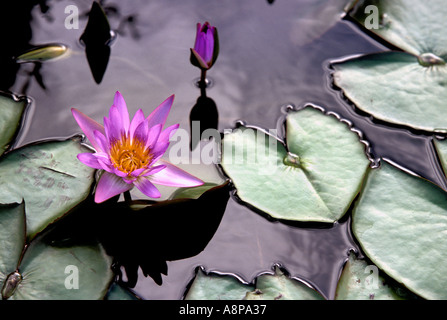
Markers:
273,55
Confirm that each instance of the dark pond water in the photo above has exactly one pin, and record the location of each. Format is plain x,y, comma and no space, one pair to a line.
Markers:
271,55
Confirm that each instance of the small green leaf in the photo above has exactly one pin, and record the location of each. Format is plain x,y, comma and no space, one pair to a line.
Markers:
400,222
50,179
12,109
315,179
42,53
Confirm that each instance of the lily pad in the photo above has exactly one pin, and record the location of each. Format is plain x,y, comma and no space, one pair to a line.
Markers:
441,151
400,222
414,26
281,287
275,286
50,179
405,88
314,178
394,87
12,109
118,292
57,272
51,267
12,237
362,281
216,287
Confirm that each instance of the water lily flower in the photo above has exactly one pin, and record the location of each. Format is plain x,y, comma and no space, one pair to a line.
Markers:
206,47
130,151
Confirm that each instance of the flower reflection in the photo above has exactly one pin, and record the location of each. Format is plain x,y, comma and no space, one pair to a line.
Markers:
130,152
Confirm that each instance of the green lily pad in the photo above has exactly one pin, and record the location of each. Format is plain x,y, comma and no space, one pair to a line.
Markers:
11,113
394,87
12,235
416,27
362,281
277,286
50,179
117,292
315,178
400,222
405,88
281,287
216,287
51,267
441,151
57,272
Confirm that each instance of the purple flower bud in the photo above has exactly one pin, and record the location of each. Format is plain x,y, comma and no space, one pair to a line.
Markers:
206,47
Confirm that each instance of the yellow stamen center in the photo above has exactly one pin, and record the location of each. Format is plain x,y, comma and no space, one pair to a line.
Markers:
128,155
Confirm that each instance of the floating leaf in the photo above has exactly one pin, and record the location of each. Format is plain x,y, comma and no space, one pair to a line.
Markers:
42,53
405,88
316,179
51,267
57,272
12,237
268,287
281,287
441,151
12,109
216,287
416,27
394,87
118,292
49,177
363,281
193,192
400,221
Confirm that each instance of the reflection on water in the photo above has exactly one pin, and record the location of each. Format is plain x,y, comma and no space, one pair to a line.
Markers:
271,54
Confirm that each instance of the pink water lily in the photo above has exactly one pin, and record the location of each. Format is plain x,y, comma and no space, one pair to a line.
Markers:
206,47
130,151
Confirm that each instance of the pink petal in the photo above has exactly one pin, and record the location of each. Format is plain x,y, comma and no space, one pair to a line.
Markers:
136,121
141,132
167,133
153,135
153,170
104,161
89,160
88,126
110,185
145,186
160,114
159,151
174,177
114,125
102,142
120,104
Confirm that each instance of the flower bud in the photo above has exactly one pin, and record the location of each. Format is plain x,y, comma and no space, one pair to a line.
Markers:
206,47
